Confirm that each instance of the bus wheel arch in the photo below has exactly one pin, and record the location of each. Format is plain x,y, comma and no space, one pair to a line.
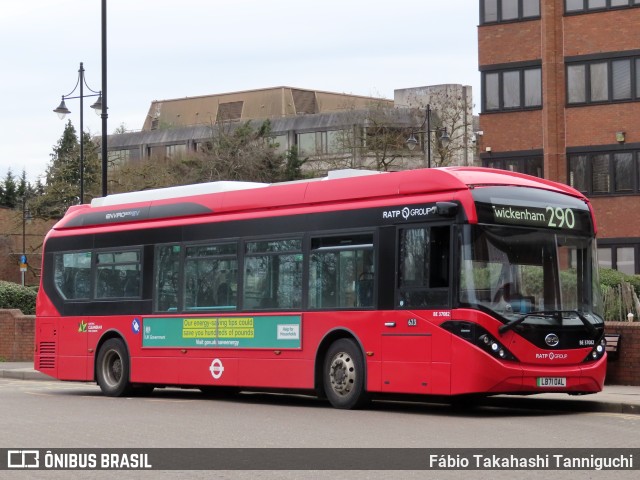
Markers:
340,370
113,365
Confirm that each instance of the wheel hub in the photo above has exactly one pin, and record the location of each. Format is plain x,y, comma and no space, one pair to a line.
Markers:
342,373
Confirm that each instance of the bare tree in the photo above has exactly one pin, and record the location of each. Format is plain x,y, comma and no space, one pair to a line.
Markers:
450,110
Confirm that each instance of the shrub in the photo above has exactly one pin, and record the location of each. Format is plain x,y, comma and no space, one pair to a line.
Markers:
13,295
613,278
619,294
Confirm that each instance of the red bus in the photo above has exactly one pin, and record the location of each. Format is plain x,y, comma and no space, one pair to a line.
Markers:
449,281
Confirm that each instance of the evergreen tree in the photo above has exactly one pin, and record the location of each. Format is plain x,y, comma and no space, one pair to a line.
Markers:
293,165
24,188
62,185
9,192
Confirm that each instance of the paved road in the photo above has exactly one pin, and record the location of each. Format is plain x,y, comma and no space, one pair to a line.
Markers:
51,414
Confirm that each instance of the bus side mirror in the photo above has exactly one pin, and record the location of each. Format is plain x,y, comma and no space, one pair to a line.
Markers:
447,209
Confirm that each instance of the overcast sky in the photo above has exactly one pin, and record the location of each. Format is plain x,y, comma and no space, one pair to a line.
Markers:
163,49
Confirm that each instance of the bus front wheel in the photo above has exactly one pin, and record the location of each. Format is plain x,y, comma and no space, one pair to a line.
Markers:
112,372
343,375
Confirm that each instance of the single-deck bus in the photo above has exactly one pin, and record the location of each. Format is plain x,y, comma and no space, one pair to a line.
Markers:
448,281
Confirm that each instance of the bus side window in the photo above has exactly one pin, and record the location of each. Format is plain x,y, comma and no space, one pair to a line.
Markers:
167,277
341,272
117,273
273,275
210,277
365,282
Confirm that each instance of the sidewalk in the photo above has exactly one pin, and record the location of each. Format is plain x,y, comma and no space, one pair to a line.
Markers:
613,399
21,371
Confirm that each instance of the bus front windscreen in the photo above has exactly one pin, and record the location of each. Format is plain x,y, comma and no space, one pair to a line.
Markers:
530,276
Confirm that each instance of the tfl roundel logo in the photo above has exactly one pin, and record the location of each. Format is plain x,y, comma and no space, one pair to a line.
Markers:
552,340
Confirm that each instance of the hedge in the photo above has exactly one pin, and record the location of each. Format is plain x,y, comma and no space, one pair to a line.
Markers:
13,295
613,278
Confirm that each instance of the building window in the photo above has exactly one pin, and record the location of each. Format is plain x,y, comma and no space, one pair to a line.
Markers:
530,165
621,79
576,84
600,173
321,143
623,172
625,260
174,151
494,11
512,89
119,158
619,257
579,6
280,143
604,258
605,173
603,80
578,172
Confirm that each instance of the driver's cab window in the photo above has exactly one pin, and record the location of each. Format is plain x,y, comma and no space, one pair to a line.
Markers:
423,273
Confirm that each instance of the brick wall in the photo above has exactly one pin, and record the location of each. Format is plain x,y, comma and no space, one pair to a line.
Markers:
626,369
505,41
616,217
17,334
612,31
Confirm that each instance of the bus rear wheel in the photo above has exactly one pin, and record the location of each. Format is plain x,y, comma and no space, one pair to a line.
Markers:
343,375
112,369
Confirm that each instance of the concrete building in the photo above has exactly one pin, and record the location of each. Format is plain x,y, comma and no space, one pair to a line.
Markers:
561,99
332,129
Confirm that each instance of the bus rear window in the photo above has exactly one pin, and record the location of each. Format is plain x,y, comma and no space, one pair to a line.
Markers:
73,275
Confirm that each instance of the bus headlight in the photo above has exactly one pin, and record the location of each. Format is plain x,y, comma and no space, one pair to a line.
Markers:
494,347
597,352
478,336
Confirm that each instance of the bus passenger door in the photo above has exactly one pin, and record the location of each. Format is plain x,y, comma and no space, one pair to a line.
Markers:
423,266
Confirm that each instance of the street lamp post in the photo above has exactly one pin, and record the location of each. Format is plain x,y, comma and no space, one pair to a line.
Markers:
63,111
444,139
103,114
26,217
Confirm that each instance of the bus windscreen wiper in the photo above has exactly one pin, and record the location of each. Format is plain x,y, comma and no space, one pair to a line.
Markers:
557,314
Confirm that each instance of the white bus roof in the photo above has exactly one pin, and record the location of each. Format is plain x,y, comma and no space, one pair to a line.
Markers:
210,187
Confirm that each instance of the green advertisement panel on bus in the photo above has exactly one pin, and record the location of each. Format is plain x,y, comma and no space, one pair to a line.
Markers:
271,331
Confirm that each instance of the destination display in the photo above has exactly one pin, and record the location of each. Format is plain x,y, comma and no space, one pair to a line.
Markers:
272,331
532,208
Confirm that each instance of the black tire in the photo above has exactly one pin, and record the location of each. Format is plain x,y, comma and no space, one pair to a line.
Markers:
112,368
343,375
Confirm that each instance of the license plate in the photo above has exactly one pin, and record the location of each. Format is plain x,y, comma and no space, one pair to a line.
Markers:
557,382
